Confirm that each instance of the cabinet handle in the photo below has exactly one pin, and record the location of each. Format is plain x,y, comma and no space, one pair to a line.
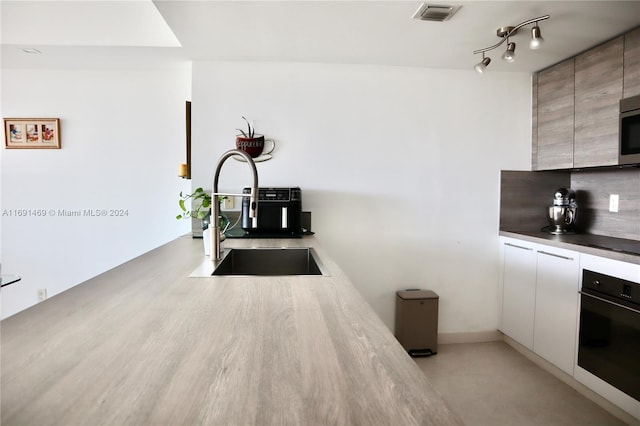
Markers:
520,247
555,255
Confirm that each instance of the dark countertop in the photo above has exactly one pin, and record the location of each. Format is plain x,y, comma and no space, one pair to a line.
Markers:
598,245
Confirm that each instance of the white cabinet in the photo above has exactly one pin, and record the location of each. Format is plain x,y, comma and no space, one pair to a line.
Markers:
540,299
556,306
541,305
624,270
518,291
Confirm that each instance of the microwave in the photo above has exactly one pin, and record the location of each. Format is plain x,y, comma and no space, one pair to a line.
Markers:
279,212
629,152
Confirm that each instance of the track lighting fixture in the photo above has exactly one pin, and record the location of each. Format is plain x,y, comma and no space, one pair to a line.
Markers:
536,38
505,33
482,65
509,55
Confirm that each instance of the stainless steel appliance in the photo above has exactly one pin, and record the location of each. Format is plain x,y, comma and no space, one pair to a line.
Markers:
562,214
279,212
629,152
609,337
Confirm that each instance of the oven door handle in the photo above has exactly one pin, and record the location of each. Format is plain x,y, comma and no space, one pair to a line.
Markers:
609,302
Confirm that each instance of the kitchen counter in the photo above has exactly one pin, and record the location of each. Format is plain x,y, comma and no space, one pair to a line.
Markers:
598,245
145,344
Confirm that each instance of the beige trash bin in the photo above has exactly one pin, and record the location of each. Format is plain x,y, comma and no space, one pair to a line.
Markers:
417,321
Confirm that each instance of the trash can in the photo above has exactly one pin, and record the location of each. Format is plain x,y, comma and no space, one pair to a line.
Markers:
417,321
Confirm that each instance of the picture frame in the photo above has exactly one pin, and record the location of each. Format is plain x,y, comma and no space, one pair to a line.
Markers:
32,133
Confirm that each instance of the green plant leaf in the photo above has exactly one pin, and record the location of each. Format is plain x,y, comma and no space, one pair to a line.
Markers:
251,131
200,200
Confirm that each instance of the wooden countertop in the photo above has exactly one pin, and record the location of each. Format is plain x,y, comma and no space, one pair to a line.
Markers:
145,344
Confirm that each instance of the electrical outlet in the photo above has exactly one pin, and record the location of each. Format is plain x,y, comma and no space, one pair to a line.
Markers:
614,199
228,203
42,294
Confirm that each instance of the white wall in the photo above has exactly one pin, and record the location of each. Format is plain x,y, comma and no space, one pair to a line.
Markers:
399,166
123,136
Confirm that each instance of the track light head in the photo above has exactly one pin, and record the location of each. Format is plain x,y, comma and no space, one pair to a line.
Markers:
536,38
509,55
482,65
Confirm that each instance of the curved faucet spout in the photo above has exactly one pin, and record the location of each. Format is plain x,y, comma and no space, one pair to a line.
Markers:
253,203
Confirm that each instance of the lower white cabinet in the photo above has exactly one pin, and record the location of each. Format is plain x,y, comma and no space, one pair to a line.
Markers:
540,299
519,290
556,311
541,305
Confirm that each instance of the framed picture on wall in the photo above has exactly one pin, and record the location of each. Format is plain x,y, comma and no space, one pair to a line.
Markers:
32,133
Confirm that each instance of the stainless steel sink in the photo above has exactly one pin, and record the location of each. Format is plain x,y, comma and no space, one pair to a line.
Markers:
270,262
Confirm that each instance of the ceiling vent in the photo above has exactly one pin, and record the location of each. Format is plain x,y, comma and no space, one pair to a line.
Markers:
437,13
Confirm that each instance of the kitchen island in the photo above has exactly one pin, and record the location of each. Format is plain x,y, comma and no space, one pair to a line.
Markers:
146,344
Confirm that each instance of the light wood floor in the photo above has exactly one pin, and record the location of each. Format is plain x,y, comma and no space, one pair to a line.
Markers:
492,384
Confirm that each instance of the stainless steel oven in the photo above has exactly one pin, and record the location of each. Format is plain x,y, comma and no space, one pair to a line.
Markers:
609,337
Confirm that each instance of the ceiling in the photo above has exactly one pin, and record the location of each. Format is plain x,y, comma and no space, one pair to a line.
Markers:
104,33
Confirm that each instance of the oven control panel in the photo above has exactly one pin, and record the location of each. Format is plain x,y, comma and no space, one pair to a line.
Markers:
610,287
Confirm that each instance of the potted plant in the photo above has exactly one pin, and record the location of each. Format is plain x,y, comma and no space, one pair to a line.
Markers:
249,142
201,209
200,204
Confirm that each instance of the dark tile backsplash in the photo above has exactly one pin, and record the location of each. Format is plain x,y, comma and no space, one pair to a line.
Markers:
593,190
526,195
525,198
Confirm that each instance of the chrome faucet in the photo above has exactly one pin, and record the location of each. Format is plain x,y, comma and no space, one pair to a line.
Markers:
253,196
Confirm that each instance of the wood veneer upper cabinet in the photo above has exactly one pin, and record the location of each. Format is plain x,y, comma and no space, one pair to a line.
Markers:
632,63
555,120
598,90
534,122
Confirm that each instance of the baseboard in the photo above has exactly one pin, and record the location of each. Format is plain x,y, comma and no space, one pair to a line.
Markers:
569,380
470,337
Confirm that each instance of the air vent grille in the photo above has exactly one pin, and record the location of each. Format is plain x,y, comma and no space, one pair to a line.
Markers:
436,13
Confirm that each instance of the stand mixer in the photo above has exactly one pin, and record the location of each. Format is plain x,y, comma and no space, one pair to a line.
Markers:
562,214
